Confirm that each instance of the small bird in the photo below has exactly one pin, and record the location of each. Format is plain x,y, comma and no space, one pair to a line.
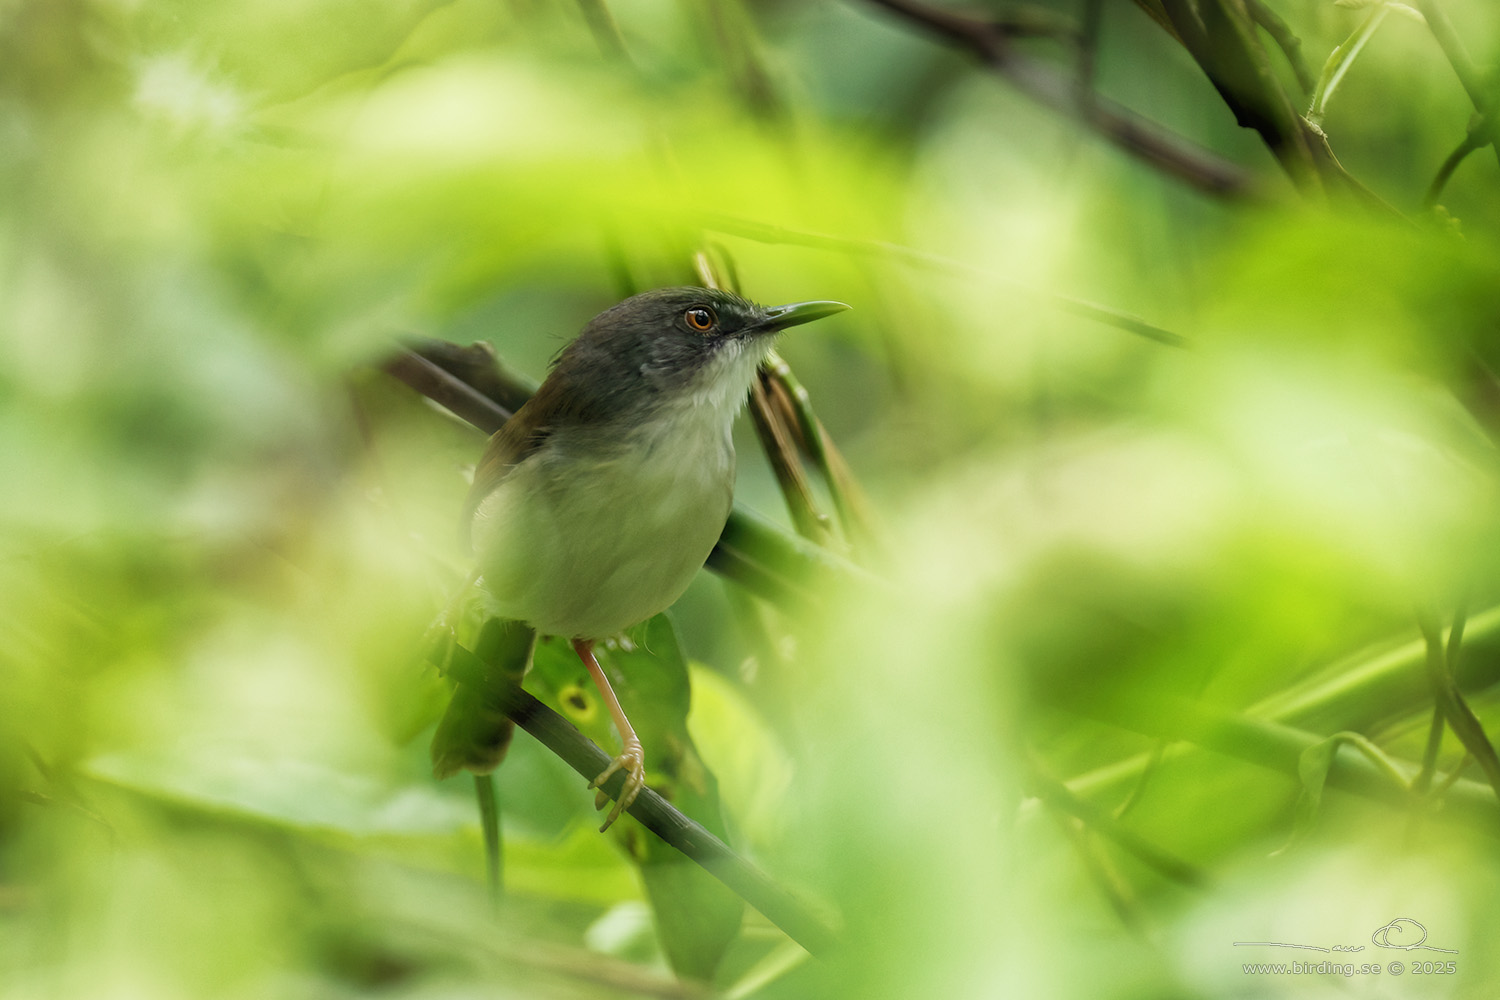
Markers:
595,504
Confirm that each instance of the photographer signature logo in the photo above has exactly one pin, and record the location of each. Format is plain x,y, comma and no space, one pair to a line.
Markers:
1401,934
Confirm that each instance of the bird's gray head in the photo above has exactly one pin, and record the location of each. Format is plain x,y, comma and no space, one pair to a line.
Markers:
676,345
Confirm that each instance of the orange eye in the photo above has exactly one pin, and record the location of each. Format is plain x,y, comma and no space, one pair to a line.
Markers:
700,318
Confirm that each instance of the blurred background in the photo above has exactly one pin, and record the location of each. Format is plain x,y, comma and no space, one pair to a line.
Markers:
1161,610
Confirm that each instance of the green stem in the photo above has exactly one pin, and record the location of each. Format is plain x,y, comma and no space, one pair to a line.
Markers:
1460,716
1275,747
489,822
1478,137
1468,75
1447,38
1435,731
1138,788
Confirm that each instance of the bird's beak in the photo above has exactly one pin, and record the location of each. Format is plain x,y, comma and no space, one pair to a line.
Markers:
781,317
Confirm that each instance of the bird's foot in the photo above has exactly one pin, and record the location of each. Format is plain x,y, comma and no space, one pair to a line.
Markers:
632,761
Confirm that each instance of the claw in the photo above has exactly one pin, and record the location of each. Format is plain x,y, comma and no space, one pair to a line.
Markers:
632,761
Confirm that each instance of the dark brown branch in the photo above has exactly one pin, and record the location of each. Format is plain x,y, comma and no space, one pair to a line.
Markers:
1222,40
446,389
1139,137
655,813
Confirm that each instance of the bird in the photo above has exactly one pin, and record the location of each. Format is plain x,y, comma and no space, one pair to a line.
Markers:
595,504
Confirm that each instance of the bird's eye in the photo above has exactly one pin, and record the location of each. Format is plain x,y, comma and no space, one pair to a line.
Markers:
700,318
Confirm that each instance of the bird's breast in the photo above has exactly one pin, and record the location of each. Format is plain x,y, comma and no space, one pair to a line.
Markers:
598,531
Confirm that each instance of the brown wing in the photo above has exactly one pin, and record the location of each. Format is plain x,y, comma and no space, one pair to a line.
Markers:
508,447
552,406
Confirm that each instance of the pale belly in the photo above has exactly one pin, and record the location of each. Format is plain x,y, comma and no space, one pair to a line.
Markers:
611,543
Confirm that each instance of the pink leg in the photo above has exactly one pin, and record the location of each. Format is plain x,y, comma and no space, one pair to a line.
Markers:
632,758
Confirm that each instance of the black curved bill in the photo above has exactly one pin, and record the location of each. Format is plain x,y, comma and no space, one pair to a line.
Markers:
781,317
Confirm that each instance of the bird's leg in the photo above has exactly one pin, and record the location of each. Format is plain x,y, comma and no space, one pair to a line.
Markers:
632,758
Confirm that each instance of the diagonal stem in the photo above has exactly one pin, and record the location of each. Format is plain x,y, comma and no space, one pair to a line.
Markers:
655,813
1286,40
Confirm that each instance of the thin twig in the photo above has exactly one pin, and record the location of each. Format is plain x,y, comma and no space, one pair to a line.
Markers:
1056,794
1139,787
1454,775
762,233
1115,889
654,812
446,389
1481,135
1143,139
